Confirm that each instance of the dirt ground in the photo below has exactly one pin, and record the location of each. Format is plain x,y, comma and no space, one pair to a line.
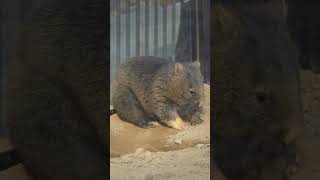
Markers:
163,153
160,152
13,173
193,161
309,143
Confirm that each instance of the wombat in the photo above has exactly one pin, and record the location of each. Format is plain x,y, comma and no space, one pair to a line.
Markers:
257,105
57,91
148,89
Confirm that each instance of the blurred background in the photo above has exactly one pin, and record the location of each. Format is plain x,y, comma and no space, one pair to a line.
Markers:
13,13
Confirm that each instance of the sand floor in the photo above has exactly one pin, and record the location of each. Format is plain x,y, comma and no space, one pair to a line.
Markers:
163,153
309,143
16,172
153,166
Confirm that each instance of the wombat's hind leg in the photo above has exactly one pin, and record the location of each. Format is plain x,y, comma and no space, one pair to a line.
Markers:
129,108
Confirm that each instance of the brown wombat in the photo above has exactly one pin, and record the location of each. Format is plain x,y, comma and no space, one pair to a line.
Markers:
150,89
257,106
57,91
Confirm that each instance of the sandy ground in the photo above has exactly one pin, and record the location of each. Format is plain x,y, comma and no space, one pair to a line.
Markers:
309,143
150,154
163,153
178,164
188,164
13,173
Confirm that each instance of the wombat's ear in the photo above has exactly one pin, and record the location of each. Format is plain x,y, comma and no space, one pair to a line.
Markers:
178,68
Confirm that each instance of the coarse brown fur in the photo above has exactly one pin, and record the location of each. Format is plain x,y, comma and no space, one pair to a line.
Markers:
57,91
150,89
257,106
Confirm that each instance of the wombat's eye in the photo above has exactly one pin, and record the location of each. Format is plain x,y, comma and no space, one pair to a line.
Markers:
192,91
263,97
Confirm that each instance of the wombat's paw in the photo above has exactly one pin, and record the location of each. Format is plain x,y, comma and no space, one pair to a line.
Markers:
152,124
147,125
294,164
196,120
292,169
179,124
293,133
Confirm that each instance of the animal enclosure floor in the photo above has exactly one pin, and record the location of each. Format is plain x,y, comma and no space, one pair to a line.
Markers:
16,172
126,138
309,143
191,163
174,161
160,152
152,164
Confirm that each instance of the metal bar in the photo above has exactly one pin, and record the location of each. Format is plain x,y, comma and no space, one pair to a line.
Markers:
190,28
2,86
128,28
138,28
165,7
118,32
156,28
285,8
197,32
147,28
181,34
1,74
173,29
181,3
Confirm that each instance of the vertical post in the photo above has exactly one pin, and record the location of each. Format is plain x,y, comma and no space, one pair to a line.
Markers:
285,8
156,6
118,32
190,28
138,28
1,74
147,28
128,28
197,32
173,29
165,6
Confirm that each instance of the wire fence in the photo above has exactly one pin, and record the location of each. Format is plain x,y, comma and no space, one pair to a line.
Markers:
145,28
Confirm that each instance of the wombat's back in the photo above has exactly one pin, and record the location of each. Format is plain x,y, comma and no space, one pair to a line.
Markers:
147,65
140,70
